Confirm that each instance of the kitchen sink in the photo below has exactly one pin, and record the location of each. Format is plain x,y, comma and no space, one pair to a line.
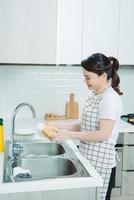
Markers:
44,161
32,149
42,168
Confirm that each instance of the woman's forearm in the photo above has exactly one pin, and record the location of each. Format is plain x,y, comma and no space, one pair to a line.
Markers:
104,132
89,137
69,126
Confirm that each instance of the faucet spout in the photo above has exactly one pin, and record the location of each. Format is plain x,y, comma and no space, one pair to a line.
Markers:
13,124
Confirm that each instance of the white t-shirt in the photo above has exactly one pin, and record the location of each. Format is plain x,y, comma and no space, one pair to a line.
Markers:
111,108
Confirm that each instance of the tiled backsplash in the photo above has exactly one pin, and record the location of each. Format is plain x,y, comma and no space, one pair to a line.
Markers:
48,88
127,81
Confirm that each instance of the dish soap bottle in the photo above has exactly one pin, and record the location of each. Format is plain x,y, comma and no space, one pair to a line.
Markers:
1,136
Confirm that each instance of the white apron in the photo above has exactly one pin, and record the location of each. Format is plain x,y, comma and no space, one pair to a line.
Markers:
100,154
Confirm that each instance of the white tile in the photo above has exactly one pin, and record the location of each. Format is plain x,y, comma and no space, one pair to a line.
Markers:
48,88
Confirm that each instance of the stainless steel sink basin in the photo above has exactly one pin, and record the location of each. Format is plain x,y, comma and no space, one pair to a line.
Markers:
41,149
42,168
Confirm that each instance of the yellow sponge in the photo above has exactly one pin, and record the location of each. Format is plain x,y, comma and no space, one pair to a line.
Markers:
50,130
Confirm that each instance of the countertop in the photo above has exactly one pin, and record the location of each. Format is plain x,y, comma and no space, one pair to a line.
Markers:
126,127
94,180
61,183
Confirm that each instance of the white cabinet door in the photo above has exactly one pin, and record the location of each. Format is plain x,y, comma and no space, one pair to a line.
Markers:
128,183
126,33
129,139
100,27
128,158
28,31
69,31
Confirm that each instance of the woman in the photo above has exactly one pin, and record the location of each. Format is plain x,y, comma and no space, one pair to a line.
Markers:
101,116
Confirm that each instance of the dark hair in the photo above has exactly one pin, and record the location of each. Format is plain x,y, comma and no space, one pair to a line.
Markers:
99,64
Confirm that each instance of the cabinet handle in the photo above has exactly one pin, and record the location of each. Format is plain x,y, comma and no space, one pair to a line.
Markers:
117,157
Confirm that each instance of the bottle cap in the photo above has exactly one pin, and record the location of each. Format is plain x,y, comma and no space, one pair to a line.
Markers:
1,121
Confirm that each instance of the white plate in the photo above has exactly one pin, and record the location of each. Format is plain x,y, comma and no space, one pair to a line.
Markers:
25,132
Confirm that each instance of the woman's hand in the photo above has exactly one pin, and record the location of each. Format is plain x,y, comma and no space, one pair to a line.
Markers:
61,135
50,130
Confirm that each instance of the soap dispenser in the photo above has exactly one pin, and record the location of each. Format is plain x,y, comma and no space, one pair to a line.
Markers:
1,135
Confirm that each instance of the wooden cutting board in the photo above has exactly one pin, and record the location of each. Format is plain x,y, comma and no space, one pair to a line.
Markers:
72,108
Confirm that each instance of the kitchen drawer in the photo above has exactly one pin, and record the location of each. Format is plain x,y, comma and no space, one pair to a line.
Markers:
129,139
128,158
116,192
127,183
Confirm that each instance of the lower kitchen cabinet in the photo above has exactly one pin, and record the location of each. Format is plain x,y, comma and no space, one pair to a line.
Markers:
124,179
128,158
68,194
123,198
128,183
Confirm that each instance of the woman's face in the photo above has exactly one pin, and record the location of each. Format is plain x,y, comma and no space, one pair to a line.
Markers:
93,80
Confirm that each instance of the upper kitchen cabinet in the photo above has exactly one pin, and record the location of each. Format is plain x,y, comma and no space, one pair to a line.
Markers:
100,27
28,31
69,31
126,33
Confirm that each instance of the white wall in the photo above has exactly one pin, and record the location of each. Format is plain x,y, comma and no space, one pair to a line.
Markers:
48,88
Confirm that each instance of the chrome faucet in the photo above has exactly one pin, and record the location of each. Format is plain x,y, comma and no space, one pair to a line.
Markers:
12,141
